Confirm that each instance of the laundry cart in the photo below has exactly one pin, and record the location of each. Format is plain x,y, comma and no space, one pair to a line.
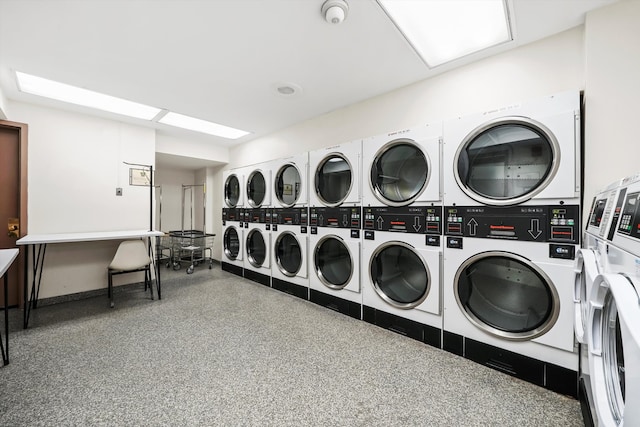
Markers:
192,247
164,250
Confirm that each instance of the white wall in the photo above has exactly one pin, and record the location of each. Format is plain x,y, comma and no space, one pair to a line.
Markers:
197,149
612,94
75,165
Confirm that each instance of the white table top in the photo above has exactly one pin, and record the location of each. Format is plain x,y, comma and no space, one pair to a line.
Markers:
7,256
35,239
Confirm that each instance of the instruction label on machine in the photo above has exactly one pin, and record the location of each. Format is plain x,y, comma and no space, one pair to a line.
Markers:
409,219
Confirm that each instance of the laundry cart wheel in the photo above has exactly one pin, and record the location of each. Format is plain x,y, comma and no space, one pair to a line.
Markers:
190,269
176,266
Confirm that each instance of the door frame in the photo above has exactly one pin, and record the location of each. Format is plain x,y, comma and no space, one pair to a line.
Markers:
21,129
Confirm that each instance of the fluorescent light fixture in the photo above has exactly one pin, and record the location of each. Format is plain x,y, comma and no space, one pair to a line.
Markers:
444,30
198,125
75,95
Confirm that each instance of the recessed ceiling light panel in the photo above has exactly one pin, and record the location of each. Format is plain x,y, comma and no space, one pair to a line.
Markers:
444,30
86,98
203,126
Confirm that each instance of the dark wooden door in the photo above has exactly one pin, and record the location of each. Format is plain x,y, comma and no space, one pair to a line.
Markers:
13,200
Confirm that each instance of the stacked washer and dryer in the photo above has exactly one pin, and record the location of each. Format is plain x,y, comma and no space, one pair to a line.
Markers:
289,226
512,213
257,224
611,376
233,222
401,246
335,214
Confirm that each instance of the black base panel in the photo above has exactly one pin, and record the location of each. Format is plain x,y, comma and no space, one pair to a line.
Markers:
290,288
254,276
547,375
409,328
334,303
453,343
587,416
238,271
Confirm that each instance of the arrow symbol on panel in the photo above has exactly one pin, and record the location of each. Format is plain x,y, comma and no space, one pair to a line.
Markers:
380,222
535,228
473,225
416,223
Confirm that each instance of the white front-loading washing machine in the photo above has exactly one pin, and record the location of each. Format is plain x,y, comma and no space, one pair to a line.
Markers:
508,291
290,181
402,270
522,154
335,256
258,246
233,189
335,175
290,255
614,350
402,168
259,185
233,240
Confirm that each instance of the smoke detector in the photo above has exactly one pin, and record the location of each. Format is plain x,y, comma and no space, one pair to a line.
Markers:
335,11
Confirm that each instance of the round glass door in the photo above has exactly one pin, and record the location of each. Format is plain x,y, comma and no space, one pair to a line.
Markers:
256,248
399,275
256,189
507,161
232,191
333,262
506,295
288,254
613,358
288,185
399,173
231,243
333,179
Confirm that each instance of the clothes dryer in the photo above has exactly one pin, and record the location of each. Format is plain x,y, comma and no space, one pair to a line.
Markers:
290,181
402,168
289,266
257,232
401,270
522,154
335,254
508,294
259,186
233,188
233,240
335,174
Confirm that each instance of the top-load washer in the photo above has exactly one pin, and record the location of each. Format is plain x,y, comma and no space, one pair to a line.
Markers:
522,154
335,174
402,168
290,181
233,188
259,186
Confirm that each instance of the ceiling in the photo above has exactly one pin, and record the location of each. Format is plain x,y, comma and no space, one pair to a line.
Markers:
222,60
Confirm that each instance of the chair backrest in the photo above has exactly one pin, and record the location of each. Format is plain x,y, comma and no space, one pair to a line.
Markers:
131,255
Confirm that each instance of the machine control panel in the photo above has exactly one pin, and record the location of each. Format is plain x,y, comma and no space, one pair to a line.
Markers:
232,214
557,223
347,217
629,221
616,213
290,216
257,215
410,219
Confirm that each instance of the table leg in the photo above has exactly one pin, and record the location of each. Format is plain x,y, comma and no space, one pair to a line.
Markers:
5,348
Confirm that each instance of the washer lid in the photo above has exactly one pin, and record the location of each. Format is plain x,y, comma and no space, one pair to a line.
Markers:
256,248
506,295
256,188
506,161
288,254
288,184
333,262
231,243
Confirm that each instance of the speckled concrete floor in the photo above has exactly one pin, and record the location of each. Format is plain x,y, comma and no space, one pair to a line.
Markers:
220,350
